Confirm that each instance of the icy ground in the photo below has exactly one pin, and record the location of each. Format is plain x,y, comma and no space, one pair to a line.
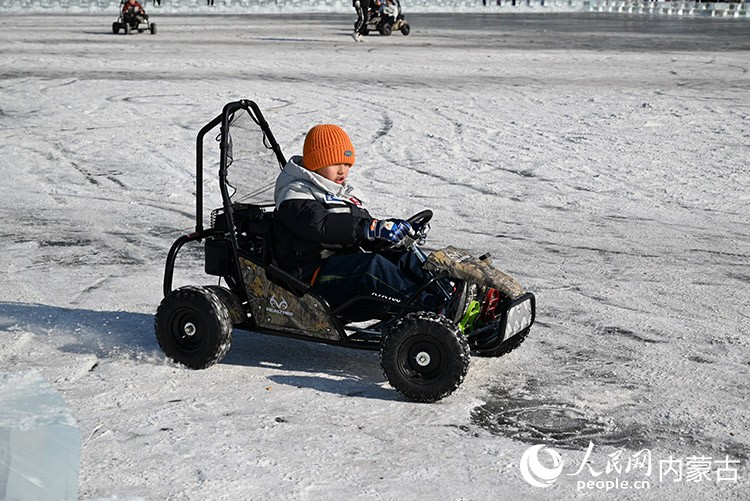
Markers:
603,161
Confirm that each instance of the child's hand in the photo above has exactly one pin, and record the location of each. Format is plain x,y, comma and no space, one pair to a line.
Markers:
390,230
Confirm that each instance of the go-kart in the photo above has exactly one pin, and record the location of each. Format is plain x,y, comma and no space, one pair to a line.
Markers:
132,21
424,354
387,21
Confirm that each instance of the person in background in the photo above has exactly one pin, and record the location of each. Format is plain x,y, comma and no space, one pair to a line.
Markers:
363,15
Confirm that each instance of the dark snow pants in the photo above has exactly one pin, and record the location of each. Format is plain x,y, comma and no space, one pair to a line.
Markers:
363,15
392,275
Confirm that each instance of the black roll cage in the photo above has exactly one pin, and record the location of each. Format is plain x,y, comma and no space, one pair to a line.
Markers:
225,119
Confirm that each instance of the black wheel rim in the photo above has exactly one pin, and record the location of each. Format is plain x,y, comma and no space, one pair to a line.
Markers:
188,330
422,359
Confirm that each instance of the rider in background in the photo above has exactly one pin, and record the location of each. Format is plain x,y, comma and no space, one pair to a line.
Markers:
132,10
389,8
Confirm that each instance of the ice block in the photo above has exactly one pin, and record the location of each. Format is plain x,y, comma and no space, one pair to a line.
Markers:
40,443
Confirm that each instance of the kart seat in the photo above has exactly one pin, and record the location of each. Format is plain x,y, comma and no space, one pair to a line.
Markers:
255,237
274,272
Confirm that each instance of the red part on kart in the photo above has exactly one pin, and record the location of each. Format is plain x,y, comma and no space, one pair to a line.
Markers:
489,305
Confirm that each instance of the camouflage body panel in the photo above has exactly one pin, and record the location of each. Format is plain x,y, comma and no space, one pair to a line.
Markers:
462,265
273,307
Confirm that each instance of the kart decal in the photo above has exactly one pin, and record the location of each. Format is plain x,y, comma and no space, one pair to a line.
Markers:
274,308
387,298
278,307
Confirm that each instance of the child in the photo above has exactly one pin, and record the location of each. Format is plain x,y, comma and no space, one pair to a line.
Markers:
323,231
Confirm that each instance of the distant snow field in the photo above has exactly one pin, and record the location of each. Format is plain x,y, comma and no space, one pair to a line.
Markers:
601,160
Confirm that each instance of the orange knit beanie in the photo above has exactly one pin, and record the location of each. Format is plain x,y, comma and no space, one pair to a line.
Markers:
325,145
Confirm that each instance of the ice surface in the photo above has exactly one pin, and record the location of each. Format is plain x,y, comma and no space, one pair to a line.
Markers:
40,444
601,160
224,7
277,6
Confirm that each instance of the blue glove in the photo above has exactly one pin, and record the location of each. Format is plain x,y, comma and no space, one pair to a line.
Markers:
390,230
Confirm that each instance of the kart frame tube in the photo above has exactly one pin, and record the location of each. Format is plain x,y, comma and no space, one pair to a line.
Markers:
200,233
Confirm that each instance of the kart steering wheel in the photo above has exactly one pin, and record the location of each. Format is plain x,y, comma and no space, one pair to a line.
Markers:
419,229
420,219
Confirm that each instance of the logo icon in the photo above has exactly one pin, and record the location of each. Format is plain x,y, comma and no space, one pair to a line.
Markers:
280,305
534,472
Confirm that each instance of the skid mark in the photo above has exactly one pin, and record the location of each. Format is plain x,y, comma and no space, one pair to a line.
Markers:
61,84
386,126
89,289
83,367
483,190
561,424
538,421
284,103
86,174
619,331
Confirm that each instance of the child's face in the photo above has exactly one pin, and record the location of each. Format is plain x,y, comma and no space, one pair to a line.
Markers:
336,173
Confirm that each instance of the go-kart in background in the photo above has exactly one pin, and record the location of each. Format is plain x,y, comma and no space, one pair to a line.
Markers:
601,160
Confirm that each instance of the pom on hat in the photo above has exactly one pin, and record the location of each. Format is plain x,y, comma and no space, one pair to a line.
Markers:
325,145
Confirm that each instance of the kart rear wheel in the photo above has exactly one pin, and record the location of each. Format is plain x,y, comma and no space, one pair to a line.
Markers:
193,327
385,29
424,357
405,29
237,313
152,28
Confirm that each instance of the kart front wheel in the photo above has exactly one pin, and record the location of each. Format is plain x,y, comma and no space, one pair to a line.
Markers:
193,327
115,27
126,28
424,357
494,346
152,28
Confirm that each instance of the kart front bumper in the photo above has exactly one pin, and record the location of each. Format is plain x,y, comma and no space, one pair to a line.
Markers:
519,316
